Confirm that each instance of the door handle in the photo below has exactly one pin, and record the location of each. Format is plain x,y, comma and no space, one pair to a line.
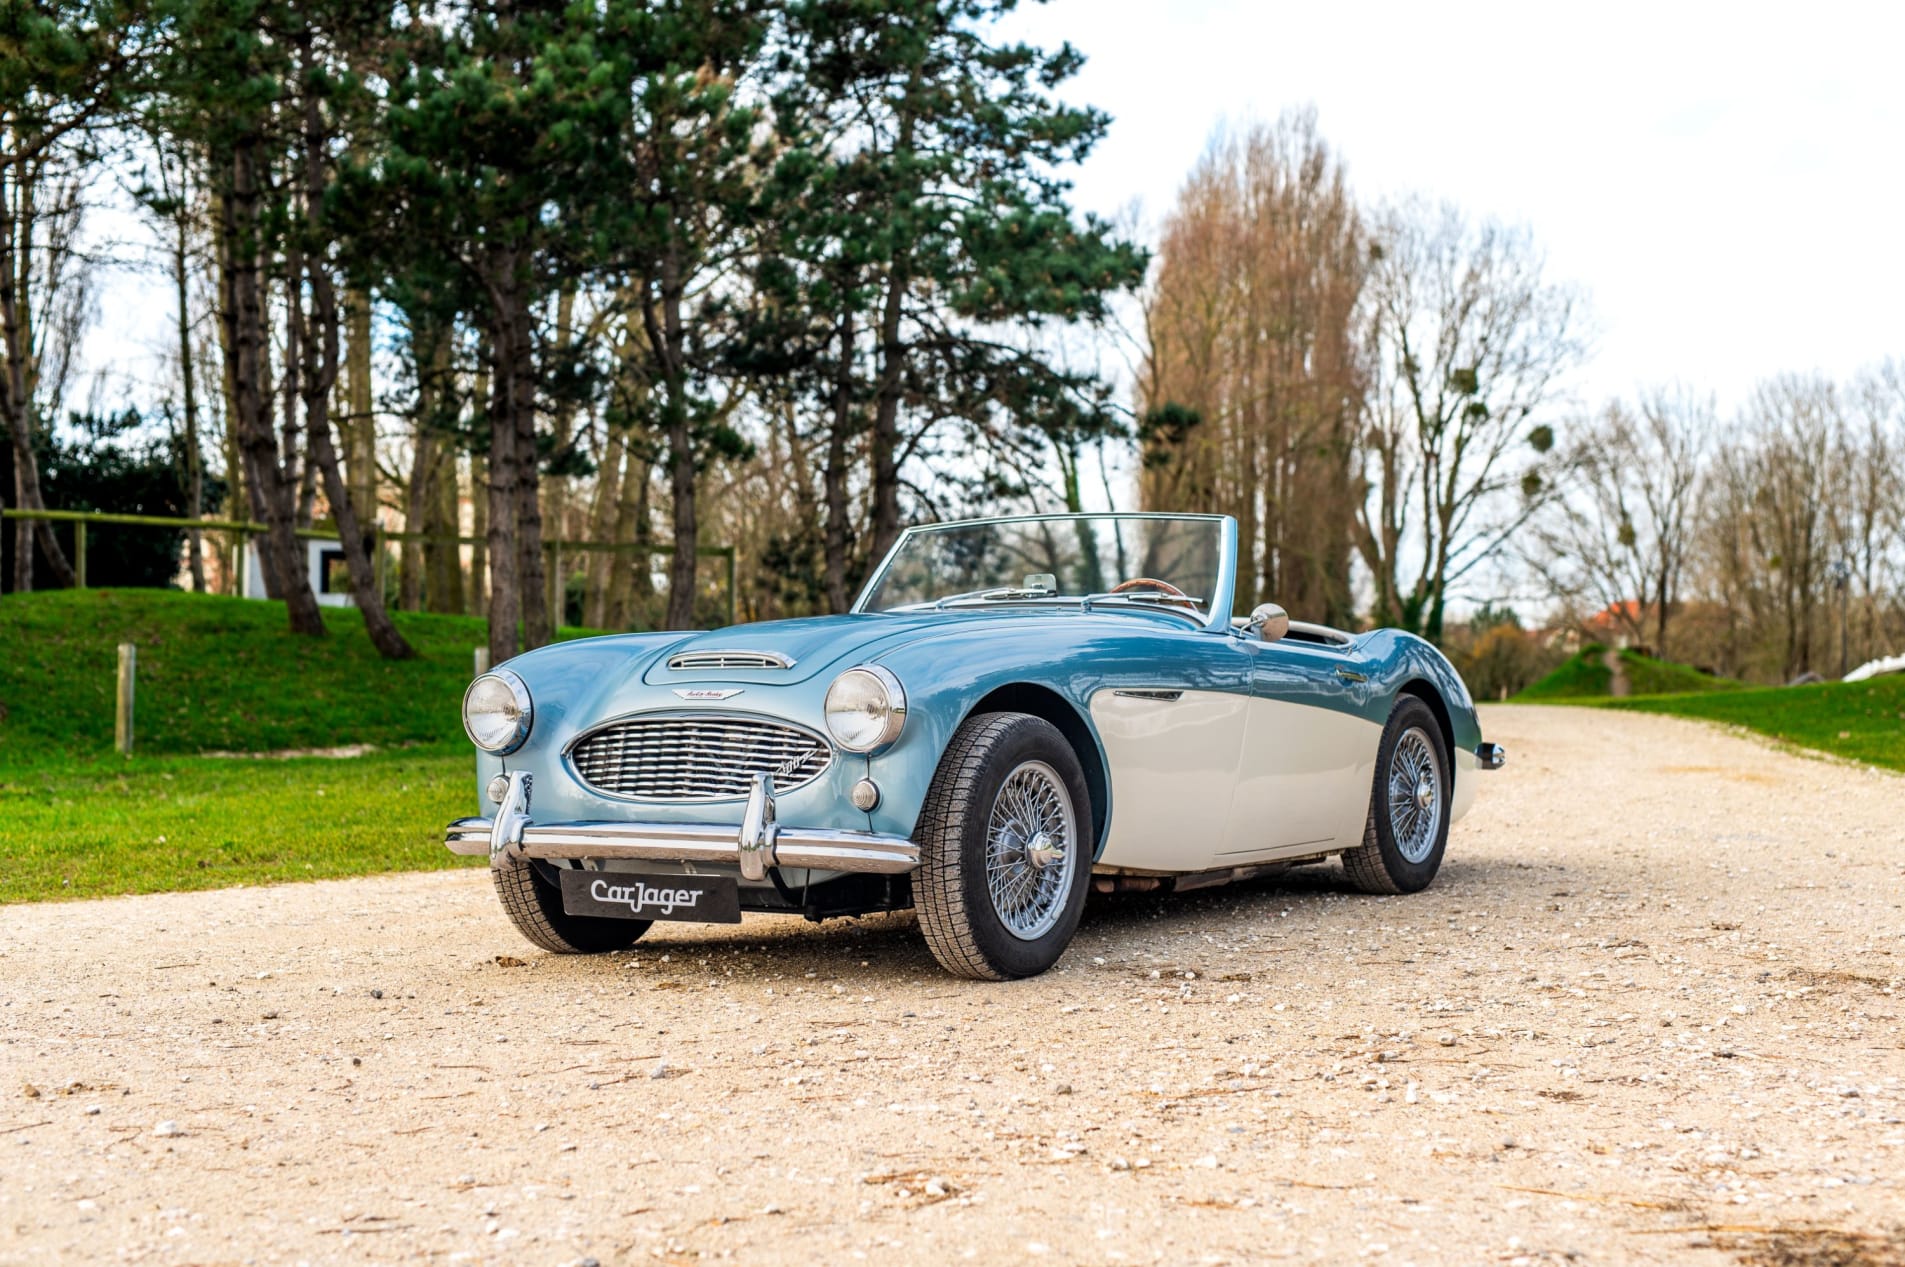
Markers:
1350,675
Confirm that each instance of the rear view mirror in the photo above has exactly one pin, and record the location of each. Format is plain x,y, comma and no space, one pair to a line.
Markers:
1269,622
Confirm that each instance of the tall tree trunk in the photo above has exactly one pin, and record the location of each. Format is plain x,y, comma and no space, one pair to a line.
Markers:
687,534
667,341
419,499
420,562
538,628
508,325
443,560
320,380
17,392
242,311
361,435
886,413
194,457
602,527
837,540
477,596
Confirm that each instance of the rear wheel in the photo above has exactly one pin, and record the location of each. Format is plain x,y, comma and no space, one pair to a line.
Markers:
1408,827
1005,840
534,906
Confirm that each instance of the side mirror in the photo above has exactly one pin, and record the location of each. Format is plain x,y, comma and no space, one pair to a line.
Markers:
1269,622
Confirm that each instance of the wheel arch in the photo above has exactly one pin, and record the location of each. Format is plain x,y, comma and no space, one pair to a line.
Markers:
1046,703
1425,690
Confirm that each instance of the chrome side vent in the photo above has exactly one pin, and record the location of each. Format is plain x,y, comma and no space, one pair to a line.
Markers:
730,660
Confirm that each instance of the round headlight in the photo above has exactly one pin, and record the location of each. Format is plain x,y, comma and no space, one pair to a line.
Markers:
866,709
497,713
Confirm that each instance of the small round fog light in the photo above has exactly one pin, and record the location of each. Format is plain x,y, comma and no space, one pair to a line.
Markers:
865,796
498,789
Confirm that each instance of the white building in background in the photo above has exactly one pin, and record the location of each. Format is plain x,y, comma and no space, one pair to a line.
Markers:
330,580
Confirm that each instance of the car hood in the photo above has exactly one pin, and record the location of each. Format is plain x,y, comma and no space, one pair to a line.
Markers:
815,644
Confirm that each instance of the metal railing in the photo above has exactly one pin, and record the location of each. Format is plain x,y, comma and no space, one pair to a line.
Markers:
552,549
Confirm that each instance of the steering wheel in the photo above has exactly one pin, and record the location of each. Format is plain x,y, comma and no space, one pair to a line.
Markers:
1164,587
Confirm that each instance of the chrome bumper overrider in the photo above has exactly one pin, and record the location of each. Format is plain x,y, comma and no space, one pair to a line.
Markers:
759,843
1490,756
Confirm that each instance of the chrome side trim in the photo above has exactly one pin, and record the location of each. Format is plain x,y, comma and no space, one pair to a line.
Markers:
1162,696
760,842
1490,756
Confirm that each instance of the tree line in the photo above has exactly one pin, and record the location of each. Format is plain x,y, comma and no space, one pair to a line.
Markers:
1380,393
783,275
604,263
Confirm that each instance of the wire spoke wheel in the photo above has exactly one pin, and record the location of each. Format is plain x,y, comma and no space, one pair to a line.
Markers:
1415,795
1030,850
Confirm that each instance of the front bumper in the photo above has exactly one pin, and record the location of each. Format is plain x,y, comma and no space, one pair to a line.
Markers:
759,843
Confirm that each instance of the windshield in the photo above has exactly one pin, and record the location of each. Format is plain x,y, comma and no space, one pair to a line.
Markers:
1159,561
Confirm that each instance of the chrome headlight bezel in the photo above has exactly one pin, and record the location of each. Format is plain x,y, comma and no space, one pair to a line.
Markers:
525,712
890,712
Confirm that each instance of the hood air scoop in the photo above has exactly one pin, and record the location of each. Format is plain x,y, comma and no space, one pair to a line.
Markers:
691,660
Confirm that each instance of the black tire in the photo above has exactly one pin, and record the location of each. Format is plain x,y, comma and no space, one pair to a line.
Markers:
534,906
957,913
1381,864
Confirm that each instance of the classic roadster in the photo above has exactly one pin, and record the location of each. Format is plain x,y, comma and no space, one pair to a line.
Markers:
1015,711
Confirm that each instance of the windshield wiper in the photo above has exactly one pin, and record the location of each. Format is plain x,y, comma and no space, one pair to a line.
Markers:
997,594
1151,598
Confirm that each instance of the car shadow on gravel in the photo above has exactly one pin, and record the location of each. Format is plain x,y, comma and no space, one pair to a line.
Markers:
886,948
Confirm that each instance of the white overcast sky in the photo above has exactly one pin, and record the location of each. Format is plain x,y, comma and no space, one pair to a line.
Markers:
1727,182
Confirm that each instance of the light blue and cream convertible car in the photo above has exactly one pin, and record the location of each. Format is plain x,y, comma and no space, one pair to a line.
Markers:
1014,712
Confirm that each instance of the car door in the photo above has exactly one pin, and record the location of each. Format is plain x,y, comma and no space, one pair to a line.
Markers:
1172,726
1303,777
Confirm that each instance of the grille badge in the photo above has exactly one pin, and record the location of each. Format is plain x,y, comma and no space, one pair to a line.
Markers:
707,693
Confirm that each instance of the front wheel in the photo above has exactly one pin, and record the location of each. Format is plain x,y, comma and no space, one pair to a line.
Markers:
1005,839
534,906
1408,826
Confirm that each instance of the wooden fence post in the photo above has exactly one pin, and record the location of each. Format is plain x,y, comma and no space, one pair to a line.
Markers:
480,661
79,554
122,719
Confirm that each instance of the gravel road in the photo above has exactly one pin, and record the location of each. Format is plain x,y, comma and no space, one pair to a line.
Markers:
1649,1013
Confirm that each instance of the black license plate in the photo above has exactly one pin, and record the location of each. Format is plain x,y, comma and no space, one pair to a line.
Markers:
705,899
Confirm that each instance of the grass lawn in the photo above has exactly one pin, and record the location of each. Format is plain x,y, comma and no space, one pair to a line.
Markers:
1864,721
221,675
100,826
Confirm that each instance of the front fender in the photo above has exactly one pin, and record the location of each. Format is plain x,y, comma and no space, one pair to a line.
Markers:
1073,657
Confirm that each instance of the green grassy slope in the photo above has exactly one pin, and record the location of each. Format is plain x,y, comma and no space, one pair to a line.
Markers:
1864,721
1580,676
1584,675
221,675
1647,676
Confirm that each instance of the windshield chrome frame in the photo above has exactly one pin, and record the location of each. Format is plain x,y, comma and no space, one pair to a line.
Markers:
1223,596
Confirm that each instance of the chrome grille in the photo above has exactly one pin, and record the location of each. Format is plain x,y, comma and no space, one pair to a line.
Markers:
697,758
730,660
